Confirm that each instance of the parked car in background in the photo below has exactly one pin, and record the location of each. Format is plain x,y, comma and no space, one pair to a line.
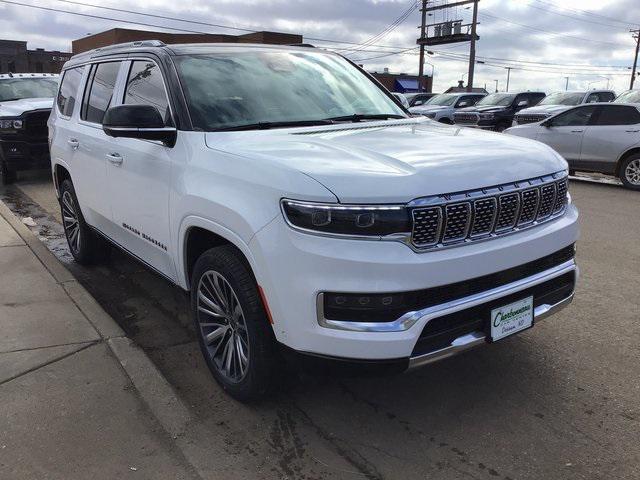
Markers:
602,137
403,100
630,96
416,99
341,231
442,107
496,111
559,102
25,104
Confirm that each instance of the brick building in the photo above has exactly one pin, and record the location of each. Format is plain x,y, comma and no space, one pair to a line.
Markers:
16,58
403,83
123,35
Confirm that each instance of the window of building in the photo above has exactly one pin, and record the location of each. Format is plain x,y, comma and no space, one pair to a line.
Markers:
68,91
99,91
146,87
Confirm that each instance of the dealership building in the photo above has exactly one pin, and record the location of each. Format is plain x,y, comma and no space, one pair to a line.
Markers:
16,58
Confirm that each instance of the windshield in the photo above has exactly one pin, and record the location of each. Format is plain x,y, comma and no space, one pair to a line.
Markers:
442,100
563,98
19,88
501,99
632,96
226,90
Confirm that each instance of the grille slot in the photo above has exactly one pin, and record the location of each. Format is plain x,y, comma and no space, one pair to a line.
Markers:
466,118
508,206
457,219
484,215
529,210
427,223
464,217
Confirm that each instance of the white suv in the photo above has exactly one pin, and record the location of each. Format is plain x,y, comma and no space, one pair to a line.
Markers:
304,209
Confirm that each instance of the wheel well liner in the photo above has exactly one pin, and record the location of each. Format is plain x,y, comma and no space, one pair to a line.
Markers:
199,240
60,174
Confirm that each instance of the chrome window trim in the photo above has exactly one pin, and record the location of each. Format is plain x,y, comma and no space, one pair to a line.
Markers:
409,319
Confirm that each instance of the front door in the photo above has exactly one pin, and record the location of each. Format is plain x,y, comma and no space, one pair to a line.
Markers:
564,132
139,173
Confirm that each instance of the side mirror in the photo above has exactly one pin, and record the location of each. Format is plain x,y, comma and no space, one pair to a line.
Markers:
138,121
522,104
547,124
463,104
417,103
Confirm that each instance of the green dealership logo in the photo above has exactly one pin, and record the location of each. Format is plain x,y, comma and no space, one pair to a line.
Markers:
502,317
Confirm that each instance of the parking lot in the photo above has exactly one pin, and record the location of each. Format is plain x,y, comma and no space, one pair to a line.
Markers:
557,401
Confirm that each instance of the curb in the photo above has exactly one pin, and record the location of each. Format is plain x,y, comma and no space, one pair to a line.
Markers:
154,389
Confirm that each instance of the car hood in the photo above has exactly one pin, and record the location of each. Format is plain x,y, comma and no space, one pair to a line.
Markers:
428,108
394,161
544,109
482,109
16,108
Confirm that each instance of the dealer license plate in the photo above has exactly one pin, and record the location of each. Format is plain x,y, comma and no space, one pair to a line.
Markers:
512,318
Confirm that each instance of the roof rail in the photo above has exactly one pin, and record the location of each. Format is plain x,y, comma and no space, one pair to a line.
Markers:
138,43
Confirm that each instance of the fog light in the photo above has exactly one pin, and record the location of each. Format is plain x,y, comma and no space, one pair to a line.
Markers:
377,307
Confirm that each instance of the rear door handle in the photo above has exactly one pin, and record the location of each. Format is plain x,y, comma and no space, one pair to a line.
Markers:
73,143
115,158
577,131
632,131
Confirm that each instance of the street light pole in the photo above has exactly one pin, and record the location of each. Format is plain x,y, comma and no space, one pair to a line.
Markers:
566,85
496,85
508,76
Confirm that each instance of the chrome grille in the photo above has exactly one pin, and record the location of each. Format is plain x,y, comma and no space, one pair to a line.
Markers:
468,216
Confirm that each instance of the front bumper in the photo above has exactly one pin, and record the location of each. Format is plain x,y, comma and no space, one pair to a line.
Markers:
295,268
25,155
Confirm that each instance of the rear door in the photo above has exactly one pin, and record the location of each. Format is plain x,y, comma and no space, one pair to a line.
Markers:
614,130
89,169
139,174
564,132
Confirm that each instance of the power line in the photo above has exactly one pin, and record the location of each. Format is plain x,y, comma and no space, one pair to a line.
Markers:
586,12
552,9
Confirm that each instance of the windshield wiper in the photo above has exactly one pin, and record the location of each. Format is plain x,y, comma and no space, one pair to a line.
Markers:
358,117
269,125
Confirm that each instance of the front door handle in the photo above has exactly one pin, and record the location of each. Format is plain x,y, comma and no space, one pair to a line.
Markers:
632,131
115,158
577,131
73,143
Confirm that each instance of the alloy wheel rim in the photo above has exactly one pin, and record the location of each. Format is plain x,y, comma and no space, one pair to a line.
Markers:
223,326
632,172
70,221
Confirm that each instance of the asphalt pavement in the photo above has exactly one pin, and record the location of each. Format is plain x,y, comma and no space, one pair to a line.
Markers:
559,401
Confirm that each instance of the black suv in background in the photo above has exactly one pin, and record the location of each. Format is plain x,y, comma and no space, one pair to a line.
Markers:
496,111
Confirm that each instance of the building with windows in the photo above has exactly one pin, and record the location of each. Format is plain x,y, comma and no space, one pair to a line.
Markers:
16,58
402,82
124,35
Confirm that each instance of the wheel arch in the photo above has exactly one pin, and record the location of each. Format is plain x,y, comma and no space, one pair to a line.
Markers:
632,151
60,174
198,234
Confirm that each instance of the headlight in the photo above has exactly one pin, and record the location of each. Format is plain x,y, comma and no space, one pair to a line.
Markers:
11,124
360,220
487,116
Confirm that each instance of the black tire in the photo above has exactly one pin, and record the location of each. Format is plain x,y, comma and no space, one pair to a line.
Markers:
89,248
258,375
7,176
629,172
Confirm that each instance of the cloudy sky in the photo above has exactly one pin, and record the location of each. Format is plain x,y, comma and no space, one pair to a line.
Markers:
543,40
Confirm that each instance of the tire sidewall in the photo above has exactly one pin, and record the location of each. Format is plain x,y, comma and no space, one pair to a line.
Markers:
81,255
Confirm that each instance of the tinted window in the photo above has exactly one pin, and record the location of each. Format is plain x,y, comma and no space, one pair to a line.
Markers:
145,87
618,115
606,96
99,91
574,118
69,90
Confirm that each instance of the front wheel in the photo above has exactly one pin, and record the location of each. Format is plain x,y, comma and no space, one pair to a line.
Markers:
630,172
232,325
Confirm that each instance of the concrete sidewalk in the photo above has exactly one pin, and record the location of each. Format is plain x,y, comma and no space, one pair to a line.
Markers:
69,398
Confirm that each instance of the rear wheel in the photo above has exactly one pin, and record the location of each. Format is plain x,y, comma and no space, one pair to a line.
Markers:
85,245
7,175
233,328
630,172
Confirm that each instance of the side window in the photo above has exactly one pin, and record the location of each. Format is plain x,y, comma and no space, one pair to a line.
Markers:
68,90
618,115
606,96
576,117
522,98
99,91
535,98
593,98
146,87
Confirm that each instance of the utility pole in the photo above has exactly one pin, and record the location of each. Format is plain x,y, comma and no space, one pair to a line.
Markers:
636,36
508,77
423,30
496,85
472,48
566,85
